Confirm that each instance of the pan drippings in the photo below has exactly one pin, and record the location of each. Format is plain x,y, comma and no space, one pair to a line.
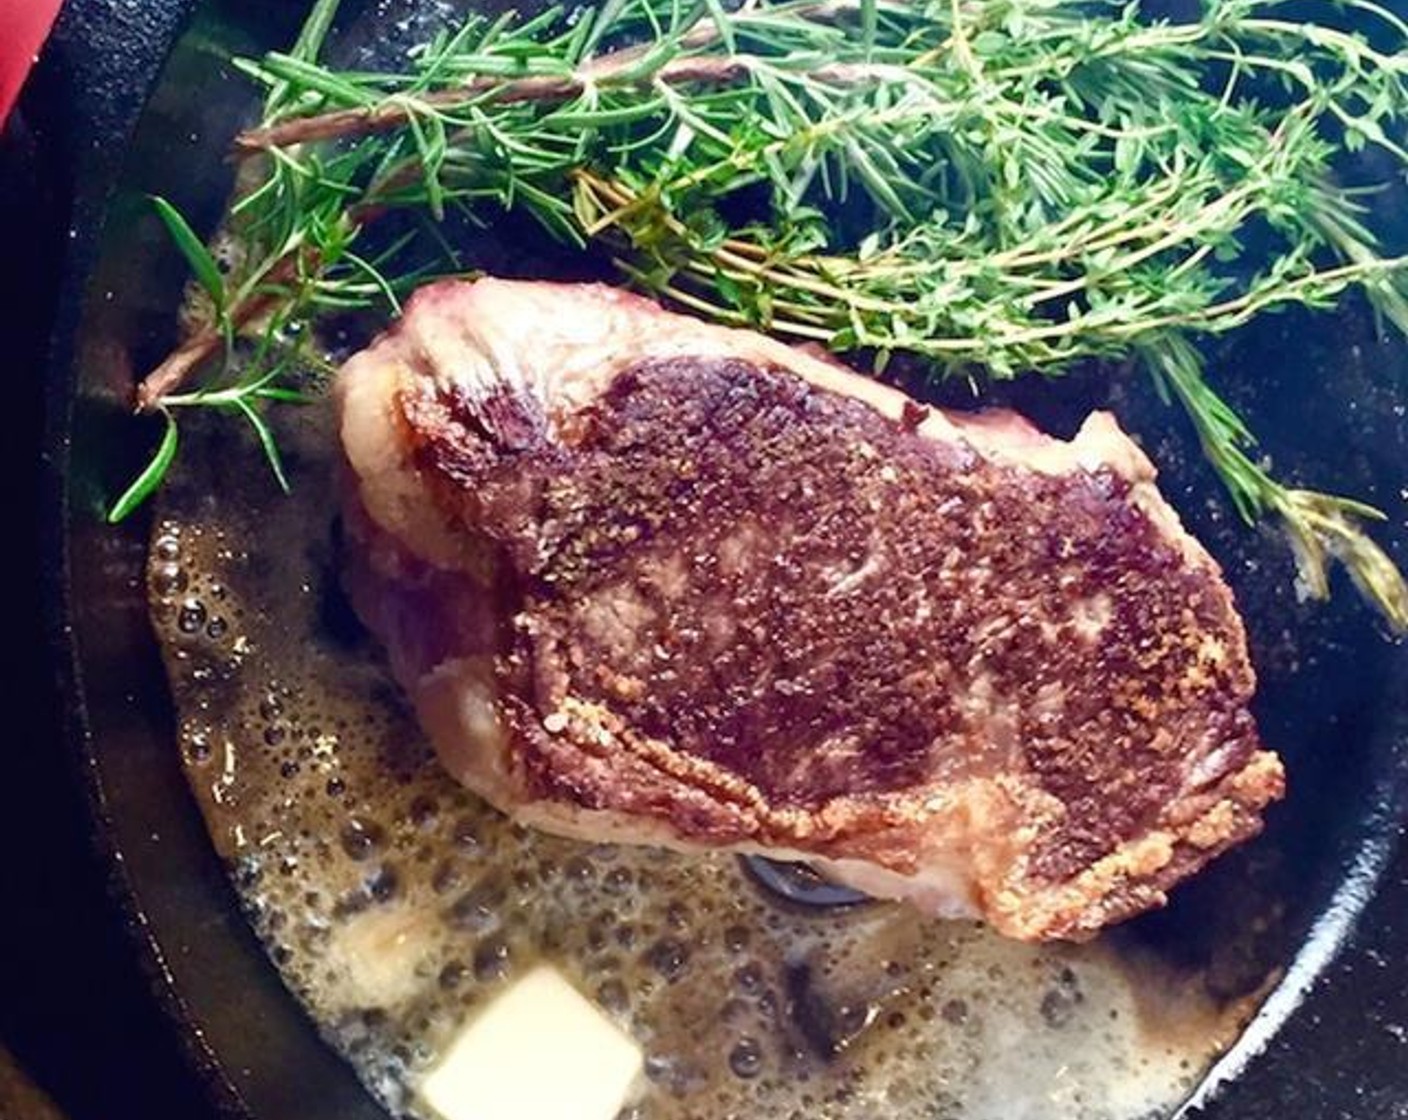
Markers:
394,903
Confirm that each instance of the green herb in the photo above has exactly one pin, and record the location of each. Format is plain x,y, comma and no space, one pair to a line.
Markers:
151,477
996,186
203,265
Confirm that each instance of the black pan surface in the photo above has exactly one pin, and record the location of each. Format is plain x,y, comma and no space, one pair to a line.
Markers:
1332,1039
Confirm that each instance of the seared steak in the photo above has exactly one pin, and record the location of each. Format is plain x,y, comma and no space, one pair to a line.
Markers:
652,580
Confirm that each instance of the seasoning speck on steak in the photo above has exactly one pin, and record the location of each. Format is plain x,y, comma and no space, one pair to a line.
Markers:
651,580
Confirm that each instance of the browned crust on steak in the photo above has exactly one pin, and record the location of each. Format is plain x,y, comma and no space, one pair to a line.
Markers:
759,614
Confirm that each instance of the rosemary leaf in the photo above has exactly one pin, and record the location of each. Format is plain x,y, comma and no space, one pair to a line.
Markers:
266,439
146,483
202,264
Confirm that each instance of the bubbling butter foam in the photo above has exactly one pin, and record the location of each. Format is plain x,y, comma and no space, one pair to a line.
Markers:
395,904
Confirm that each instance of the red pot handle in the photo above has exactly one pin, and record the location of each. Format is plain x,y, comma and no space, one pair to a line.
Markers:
24,25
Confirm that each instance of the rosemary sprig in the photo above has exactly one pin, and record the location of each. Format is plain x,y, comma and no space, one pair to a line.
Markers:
998,186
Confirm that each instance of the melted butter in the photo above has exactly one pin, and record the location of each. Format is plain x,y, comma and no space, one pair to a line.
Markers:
396,905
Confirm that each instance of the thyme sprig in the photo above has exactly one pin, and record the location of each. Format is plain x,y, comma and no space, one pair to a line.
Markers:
996,186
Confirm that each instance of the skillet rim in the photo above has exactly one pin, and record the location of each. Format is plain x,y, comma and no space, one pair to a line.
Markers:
118,86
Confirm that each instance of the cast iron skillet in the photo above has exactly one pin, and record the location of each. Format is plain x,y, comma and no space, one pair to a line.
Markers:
1330,1039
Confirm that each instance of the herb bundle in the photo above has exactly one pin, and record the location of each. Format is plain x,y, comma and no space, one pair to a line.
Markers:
996,186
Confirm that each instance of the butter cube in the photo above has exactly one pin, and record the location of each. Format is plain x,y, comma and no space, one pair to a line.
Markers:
539,1051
